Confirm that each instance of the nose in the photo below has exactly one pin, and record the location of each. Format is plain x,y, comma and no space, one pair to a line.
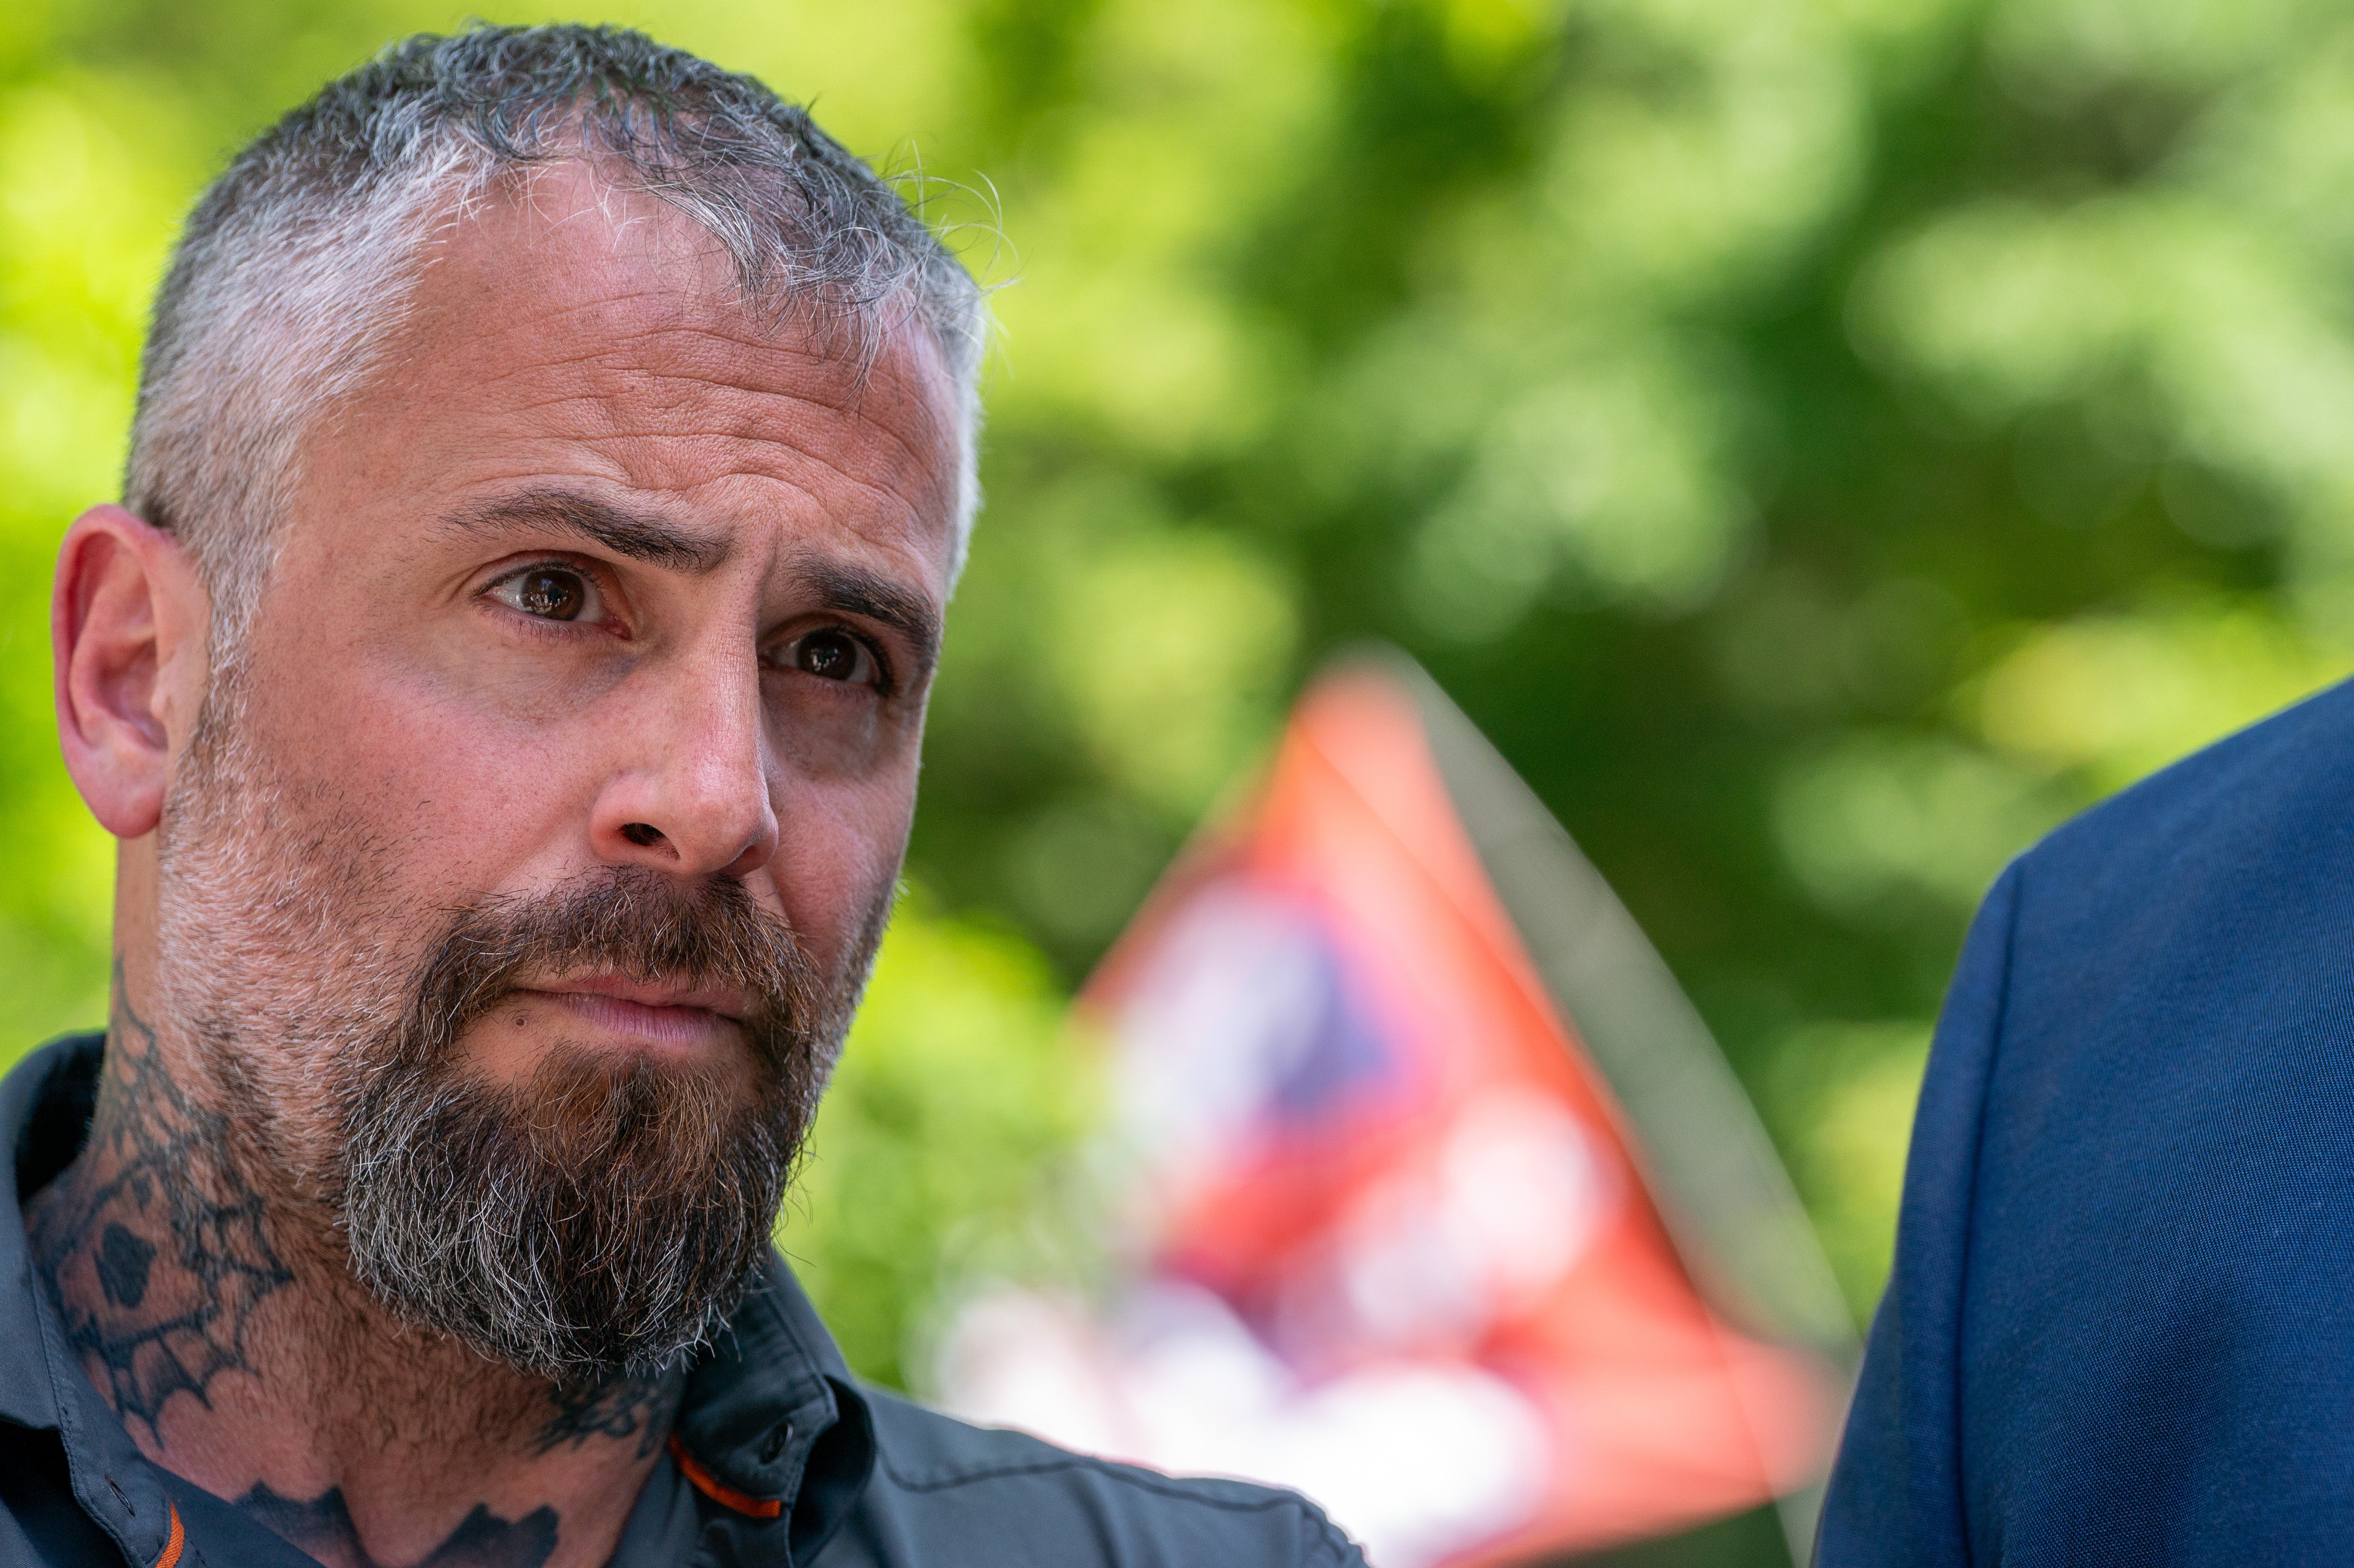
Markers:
690,792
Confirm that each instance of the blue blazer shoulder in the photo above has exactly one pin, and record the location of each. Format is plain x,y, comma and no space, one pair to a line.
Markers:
2120,1327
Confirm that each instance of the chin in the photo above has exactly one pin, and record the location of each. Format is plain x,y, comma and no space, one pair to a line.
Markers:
603,1212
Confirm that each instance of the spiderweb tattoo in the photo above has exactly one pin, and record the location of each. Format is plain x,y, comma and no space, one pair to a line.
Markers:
170,1229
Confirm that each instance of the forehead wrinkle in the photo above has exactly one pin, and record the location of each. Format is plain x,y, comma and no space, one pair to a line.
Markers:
633,376
708,335
824,497
544,317
607,416
711,333
811,446
664,305
607,346
902,446
624,444
643,377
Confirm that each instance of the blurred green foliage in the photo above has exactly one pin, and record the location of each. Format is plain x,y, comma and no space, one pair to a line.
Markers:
1823,442
936,1160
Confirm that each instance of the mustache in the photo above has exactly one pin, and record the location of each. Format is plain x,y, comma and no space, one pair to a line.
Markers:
626,920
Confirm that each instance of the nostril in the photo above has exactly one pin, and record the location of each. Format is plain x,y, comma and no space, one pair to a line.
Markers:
642,834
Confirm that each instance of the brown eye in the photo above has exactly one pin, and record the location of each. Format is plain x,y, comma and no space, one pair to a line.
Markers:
834,655
547,592
558,596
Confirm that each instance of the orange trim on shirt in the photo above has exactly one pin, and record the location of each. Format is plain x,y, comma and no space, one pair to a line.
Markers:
171,1557
706,1483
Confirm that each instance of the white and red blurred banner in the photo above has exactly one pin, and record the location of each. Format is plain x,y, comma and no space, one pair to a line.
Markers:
1394,1241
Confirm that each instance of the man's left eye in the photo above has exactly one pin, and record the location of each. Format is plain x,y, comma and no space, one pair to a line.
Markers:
834,655
550,592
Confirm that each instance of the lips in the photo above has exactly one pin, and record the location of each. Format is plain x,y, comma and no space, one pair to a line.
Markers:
662,1016
724,1001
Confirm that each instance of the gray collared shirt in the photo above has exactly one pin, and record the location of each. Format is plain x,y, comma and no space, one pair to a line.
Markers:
780,1456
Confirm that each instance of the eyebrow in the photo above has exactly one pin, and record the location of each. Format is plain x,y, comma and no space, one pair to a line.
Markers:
641,538
855,590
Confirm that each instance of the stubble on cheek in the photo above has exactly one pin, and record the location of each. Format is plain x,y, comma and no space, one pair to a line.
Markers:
283,932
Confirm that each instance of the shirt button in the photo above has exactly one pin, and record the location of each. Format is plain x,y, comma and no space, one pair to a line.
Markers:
774,1442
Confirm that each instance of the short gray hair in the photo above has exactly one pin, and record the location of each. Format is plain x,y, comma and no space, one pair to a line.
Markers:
299,258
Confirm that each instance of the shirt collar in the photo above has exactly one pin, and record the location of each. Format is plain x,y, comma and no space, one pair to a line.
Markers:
771,1413
44,1106
771,1417
44,1109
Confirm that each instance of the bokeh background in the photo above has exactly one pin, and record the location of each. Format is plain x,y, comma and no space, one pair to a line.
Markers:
1822,442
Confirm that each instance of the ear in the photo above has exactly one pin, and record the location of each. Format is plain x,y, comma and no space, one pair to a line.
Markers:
127,624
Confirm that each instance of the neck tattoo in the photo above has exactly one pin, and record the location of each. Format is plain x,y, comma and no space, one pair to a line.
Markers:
158,1253
170,1230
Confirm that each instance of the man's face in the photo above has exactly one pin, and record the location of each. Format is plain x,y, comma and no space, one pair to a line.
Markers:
606,595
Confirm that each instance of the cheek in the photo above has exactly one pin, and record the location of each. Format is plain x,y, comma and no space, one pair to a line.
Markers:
455,794
839,849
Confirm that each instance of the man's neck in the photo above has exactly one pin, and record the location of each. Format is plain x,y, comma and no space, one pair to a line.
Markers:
216,1316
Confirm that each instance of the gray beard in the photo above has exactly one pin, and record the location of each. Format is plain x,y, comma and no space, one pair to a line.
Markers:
573,1227
593,1218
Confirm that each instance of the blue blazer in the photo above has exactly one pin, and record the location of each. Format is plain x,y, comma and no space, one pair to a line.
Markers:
2121,1324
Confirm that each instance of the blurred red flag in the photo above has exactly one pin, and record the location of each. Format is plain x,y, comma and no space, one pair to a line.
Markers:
1397,1242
